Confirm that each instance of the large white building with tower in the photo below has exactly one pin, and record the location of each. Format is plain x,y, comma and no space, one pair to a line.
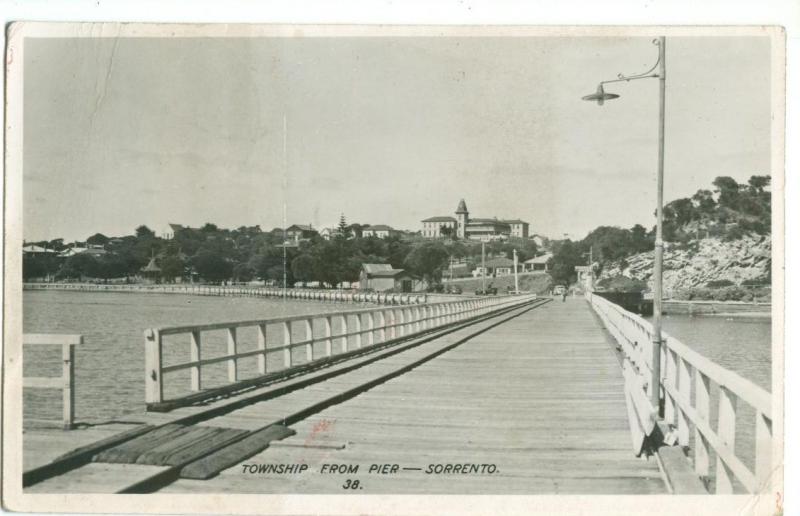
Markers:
464,227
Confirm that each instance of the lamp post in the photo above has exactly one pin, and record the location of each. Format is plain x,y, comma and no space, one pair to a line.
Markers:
600,96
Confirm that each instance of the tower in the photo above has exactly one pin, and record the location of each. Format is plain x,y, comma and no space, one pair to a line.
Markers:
462,219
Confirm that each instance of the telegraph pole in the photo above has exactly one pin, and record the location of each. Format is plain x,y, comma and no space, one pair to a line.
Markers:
483,265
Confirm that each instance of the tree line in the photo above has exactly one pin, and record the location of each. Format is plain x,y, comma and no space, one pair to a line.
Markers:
212,254
729,211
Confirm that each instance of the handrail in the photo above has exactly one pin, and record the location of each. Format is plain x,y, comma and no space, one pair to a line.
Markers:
65,382
682,369
246,291
356,328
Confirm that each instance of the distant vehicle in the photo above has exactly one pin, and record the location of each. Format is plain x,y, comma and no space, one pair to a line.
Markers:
559,290
454,289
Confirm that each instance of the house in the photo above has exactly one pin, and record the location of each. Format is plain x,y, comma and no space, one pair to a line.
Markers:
381,277
500,266
519,228
299,232
464,227
328,233
378,231
538,263
82,248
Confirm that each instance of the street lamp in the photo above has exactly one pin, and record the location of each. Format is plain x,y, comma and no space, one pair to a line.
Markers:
600,96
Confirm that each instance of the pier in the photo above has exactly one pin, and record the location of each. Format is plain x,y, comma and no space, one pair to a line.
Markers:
498,394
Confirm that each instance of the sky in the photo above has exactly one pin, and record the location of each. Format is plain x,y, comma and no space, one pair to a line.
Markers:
120,132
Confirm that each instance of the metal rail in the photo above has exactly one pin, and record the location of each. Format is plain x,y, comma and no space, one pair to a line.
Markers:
686,387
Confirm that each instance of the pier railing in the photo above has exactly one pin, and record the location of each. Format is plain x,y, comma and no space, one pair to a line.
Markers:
65,382
336,333
686,387
350,296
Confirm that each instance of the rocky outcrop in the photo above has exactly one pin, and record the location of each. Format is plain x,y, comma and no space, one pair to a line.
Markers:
699,262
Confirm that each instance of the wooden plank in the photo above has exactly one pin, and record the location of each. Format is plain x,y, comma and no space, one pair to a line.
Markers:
202,448
51,339
211,465
157,453
54,382
129,451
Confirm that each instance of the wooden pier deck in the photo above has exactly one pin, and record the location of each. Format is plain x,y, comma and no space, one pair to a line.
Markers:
535,393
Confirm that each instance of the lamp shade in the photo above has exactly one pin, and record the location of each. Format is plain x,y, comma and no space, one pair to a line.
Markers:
600,96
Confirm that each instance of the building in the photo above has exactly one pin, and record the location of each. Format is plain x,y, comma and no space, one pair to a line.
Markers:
538,263
35,250
328,233
381,277
436,227
299,232
500,266
465,227
378,231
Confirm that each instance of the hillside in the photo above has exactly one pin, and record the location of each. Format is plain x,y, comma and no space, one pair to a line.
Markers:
535,282
702,263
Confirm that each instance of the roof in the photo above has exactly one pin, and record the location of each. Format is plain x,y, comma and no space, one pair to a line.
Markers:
151,266
462,207
440,219
372,268
477,222
388,274
31,248
540,259
176,227
500,262
514,221
302,227
379,227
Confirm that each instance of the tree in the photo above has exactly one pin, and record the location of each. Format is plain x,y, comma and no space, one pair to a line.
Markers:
212,266
303,268
447,231
172,267
97,239
428,260
728,190
704,202
343,228
758,183
145,232
79,266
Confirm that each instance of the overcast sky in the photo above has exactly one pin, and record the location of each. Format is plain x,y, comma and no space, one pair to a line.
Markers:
123,132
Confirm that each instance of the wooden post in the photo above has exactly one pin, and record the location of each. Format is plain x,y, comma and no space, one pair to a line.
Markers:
262,345
287,342
232,373
763,452
328,342
309,326
194,356
68,391
344,333
702,407
154,389
684,400
727,434
358,331
371,327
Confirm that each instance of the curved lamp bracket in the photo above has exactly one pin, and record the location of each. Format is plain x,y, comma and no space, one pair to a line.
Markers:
644,75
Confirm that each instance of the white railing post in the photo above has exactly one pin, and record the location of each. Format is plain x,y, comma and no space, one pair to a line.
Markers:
401,320
727,433
357,329
262,345
232,349
309,337
344,333
154,388
328,341
371,327
763,451
194,356
68,390
287,344
382,331
670,372
684,400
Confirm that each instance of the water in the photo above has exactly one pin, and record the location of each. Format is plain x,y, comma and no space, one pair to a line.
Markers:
109,366
741,344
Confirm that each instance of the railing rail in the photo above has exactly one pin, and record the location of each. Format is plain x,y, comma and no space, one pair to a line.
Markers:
686,386
356,329
65,382
348,296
